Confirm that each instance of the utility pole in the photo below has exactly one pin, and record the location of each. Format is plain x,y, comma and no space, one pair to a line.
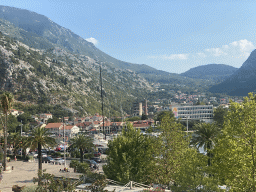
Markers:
21,136
102,106
64,141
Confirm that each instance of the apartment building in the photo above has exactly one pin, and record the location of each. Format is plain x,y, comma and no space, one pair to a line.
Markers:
195,112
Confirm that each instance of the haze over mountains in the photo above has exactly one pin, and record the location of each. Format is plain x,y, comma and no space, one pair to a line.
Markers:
61,54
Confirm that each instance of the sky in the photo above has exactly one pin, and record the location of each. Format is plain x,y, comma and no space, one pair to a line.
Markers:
169,35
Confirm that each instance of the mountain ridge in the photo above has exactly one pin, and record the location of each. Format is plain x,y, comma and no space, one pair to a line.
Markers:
242,81
216,72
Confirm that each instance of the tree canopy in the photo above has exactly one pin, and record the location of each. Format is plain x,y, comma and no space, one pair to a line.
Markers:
235,152
130,156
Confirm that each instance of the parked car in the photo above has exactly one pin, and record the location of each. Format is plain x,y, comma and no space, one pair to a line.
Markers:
59,161
96,159
92,163
97,154
47,159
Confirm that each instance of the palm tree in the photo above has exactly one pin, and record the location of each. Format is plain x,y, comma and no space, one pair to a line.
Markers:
81,142
205,137
40,138
6,103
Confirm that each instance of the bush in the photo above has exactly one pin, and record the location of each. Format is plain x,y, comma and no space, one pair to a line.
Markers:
88,155
79,167
74,163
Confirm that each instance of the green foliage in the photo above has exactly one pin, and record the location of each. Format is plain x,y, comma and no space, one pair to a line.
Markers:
81,142
191,173
80,167
169,151
12,123
234,160
54,120
47,182
144,117
162,114
205,136
129,156
219,115
40,137
133,119
25,118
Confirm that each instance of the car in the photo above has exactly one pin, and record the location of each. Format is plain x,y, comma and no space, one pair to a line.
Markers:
96,159
97,154
35,154
92,163
59,161
47,159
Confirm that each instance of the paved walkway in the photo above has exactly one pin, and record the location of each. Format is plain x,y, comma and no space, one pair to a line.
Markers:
23,174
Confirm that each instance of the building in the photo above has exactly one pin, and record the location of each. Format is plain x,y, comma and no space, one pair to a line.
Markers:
54,128
195,112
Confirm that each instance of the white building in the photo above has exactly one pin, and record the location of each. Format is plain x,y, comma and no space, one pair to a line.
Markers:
195,112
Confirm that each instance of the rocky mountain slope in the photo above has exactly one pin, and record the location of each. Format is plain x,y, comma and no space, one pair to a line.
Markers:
242,81
55,76
40,32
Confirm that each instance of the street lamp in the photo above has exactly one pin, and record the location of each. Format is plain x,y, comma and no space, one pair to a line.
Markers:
21,135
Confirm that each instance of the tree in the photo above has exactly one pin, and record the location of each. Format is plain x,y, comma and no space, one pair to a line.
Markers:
235,152
81,142
162,114
54,120
144,117
40,137
12,123
130,156
205,137
25,118
169,151
191,173
219,114
6,103
16,140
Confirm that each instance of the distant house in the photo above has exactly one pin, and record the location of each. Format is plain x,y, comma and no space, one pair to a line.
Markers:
70,130
14,112
107,125
45,116
54,128
117,126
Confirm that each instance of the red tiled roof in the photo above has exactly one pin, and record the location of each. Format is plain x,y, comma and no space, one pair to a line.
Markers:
87,123
140,125
106,124
53,125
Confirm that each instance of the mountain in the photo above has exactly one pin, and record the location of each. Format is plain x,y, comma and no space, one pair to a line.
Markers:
40,32
57,77
42,62
242,81
214,72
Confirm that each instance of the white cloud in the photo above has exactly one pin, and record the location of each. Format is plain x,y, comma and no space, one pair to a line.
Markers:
236,49
201,54
92,40
216,52
171,57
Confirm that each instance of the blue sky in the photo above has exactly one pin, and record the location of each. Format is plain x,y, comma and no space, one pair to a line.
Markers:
170,35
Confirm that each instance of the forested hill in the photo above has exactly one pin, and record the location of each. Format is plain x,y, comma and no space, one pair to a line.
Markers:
215,72
242,81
